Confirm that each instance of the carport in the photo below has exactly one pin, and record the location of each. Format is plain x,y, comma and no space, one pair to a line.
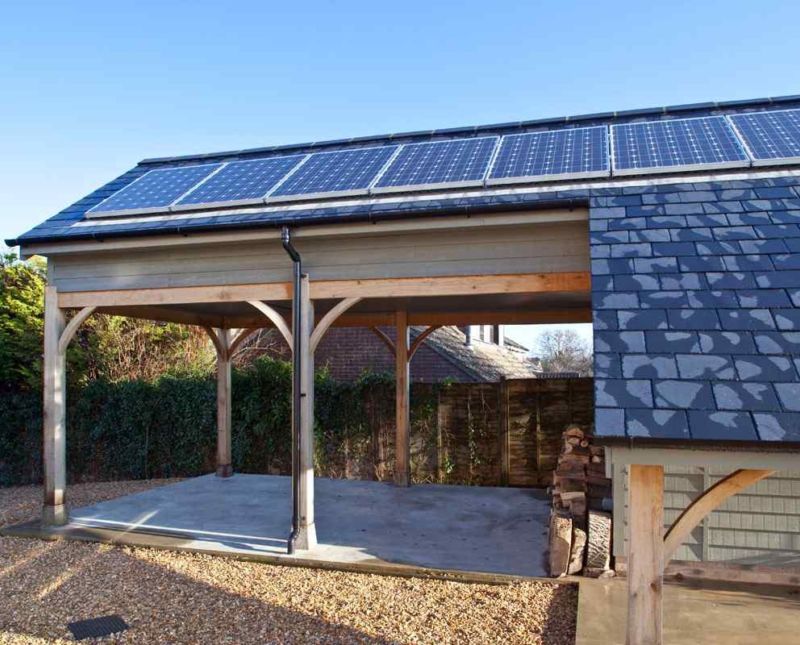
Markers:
669,228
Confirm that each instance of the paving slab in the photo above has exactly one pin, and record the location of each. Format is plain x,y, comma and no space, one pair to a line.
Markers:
708,613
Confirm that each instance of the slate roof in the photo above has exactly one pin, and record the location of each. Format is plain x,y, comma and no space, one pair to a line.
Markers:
62,226
485,361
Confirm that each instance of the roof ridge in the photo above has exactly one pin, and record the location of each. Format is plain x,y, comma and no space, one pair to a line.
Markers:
479,130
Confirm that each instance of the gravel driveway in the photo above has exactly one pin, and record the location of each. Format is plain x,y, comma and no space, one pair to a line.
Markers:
188,598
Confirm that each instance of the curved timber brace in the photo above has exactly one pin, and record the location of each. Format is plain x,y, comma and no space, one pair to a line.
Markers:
649,549
57,336
403,351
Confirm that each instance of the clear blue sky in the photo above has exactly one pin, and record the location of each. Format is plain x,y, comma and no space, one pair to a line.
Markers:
89,88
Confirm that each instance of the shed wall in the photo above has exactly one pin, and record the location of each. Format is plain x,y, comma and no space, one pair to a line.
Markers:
523,248
759,526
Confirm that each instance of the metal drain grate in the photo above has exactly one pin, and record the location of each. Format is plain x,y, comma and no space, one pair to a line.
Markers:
97,627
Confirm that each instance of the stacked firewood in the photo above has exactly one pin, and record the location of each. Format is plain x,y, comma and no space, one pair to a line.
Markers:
580,525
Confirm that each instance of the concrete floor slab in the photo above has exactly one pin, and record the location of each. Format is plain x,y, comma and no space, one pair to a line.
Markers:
462,528
712,614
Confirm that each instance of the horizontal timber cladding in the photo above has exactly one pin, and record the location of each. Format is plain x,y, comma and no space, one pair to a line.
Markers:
759,526
508,432
520,248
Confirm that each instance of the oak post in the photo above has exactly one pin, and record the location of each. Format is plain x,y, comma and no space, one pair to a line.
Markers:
224,461
307,536
402,467
645,554
55,457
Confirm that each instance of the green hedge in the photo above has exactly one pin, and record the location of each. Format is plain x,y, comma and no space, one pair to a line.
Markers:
167,427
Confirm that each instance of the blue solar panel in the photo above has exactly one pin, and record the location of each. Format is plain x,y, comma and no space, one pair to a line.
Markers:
155,190
681,144
554,154
241,182
771,137
344,172
438,163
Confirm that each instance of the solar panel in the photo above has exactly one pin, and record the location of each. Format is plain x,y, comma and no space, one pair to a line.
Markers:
680,144
240,182
154,191
551,155
771,137
343,172
458,162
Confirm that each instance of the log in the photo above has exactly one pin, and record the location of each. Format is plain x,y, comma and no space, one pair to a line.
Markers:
598,549
577,551
560,543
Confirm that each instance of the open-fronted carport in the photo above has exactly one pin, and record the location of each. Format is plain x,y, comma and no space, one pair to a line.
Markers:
694,279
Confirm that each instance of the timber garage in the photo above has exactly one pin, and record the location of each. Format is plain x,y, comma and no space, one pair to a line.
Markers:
675,231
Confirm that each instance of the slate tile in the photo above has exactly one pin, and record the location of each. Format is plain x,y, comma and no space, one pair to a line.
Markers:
724,206
708,299
785,217
727,342
636,282
624,393
746,396
776,342
609,422
661,198
732,426
694,320
787,319
777,279
778,426
645,210
731,280
725,195
774,193
762,298
615,212
673,341
789,394
765,368
705,366
628,223
615,300
717,248
707,220
609,237
663,300
658,424
794,297
748,262
679,281
724,233
597,225
684,209
746,319
693,196
756,247
621,342
607,366
637,250
781,231
673,249
698,234
786,261
649,366
642,320
604,319
599,251
685,395
616,200
701,263
746,219
651,235
655,265
666,221
766,204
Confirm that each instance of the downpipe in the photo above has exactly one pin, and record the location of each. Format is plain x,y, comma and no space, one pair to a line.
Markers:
286,239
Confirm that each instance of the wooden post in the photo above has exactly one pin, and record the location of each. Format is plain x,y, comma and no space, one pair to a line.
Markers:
224,461
307,537
503,421
645,554
55,455
402,467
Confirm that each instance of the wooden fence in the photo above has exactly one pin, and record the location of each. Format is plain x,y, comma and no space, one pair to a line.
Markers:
490,434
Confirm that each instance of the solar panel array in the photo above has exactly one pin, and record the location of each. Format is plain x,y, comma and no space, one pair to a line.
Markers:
155,190
241,182
550,155
453,163
771,137
760,138
343,172
656,146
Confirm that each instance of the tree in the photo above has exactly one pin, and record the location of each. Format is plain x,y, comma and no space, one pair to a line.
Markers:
563,350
